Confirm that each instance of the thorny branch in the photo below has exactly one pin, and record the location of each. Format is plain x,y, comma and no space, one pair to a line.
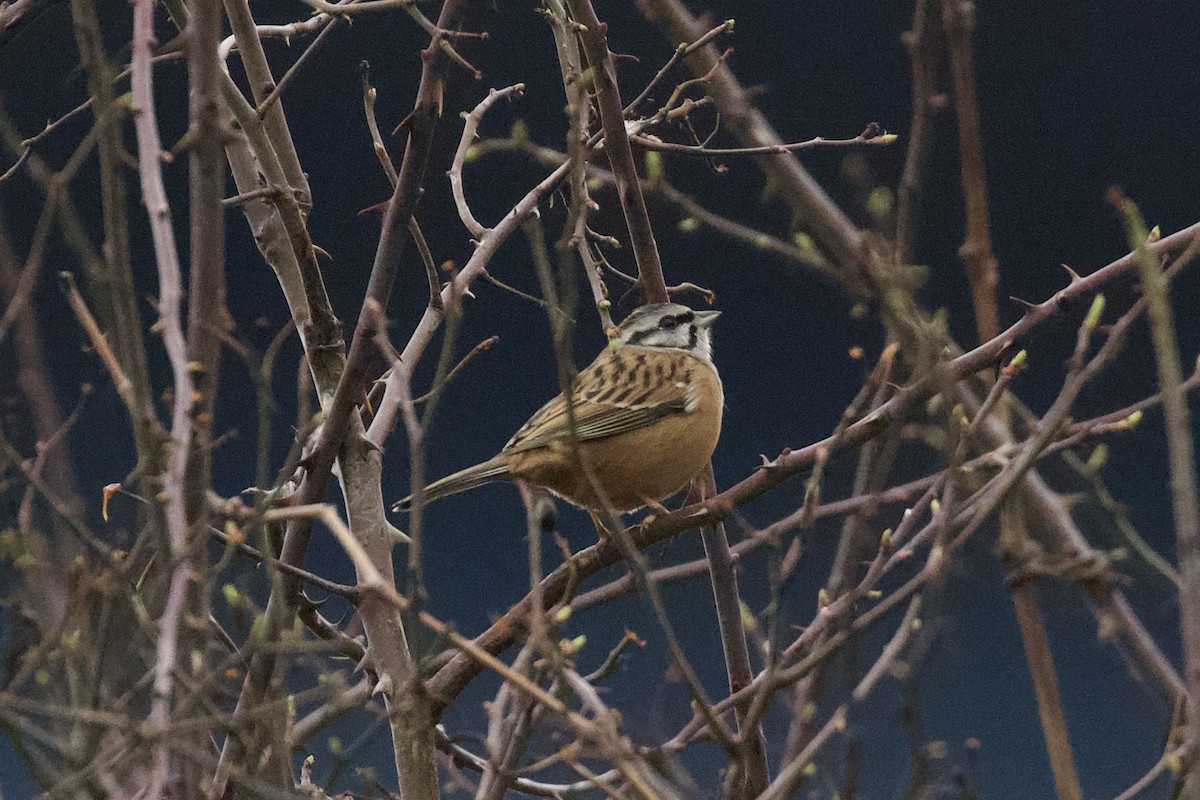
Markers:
189,662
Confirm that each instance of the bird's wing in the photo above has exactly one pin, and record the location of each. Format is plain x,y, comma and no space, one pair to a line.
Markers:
621,391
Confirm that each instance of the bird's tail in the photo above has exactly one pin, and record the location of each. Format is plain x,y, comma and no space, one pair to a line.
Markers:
460,481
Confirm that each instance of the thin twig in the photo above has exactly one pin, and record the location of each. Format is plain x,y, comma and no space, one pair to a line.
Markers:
976,250
154,197
18,296
1045,683
869,137
486,344
422,335
1185,494
684,49
327,25
790,777
925,52
1167,763
464,757
727,601
473,226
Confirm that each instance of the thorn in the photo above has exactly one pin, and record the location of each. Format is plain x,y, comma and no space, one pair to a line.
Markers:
398,535
380,207
1025,303
384,686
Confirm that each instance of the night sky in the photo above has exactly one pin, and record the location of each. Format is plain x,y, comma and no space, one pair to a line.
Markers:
1075,97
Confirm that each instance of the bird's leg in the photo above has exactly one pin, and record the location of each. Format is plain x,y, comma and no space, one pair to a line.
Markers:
601,530
656,507
695,492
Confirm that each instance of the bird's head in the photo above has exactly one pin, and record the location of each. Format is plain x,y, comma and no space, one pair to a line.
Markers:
672,326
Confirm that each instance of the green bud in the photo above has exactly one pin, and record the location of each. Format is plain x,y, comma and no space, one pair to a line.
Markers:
880,201
1094,313
520,132
654,166
749,621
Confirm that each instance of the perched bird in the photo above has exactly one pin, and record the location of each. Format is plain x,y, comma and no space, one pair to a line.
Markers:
647,418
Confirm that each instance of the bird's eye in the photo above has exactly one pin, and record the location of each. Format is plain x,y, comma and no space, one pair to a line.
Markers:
668,322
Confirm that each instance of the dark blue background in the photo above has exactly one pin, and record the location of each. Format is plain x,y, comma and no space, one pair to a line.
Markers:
1075,97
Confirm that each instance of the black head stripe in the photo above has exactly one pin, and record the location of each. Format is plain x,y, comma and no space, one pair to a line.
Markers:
685,317
637,337
693,336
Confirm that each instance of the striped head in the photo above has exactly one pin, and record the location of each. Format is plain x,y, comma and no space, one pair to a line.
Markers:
672,326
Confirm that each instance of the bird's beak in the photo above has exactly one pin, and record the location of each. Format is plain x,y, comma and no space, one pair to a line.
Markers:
706,318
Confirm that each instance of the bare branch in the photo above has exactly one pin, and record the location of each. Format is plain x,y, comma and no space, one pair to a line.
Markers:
593,34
